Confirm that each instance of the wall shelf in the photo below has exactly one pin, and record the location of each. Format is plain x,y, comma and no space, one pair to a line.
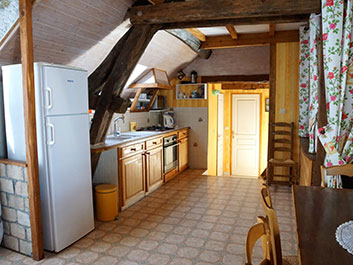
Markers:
191,91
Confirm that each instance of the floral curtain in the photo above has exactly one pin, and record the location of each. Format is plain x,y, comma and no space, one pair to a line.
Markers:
304,82
309,81
315,31
337,136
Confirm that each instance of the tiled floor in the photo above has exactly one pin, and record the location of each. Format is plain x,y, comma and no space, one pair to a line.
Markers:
193,219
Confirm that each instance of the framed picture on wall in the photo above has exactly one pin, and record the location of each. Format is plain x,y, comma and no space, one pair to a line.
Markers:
267,104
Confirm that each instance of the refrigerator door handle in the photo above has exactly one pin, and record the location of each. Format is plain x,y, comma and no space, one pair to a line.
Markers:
50,98
52,134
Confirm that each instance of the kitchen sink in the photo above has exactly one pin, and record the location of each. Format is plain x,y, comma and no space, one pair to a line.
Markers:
120,137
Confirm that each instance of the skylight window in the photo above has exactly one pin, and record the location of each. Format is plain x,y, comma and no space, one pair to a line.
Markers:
8,15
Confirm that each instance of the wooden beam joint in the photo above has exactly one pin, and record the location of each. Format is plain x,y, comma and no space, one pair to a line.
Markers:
232,31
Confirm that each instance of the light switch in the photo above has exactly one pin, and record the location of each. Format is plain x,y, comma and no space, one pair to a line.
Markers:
283,111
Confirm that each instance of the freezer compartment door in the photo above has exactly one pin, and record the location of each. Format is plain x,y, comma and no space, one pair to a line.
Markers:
69,178
65,91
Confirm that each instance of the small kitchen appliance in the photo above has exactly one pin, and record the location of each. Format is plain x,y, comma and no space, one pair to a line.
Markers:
168,121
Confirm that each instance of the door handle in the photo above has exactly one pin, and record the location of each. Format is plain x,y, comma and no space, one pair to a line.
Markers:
50,98
52,134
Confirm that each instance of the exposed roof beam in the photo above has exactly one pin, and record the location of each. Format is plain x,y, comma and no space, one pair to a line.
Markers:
235,78
197,33
232,31
254,39
245,85
175,13
272,30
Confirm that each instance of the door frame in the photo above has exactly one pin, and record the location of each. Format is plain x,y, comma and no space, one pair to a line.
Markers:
259,124
218,121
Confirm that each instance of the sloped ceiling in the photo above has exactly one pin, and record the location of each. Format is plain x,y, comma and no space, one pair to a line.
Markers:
81,33
168,53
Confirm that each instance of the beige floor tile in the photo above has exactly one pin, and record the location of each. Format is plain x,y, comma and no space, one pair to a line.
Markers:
191,220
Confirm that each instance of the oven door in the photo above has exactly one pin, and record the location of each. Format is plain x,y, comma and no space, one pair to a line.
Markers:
170,157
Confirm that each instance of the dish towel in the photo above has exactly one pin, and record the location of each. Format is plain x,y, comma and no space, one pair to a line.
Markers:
344,236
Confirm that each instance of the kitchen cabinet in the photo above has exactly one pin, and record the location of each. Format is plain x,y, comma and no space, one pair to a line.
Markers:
154,168
148,85
183,154
136,167
131,175
140,170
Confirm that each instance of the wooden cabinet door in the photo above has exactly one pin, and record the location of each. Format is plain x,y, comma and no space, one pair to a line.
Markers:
133,179
154,168
183,154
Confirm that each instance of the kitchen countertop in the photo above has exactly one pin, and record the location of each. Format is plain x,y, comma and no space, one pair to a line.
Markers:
127,138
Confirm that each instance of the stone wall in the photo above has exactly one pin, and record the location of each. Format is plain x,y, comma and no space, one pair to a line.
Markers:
15,208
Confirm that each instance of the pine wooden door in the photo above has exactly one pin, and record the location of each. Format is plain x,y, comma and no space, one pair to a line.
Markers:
183,154
154,168
133,179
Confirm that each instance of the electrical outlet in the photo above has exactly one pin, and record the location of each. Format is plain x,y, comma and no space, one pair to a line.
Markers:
283,111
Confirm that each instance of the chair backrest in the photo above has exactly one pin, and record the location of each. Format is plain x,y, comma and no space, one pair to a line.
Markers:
254,234
346,170
281,139
275,239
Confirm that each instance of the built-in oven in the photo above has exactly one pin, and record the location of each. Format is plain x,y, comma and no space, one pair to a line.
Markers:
170,148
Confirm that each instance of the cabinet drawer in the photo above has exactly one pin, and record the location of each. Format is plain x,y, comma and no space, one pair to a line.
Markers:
183,134
154,143
131,149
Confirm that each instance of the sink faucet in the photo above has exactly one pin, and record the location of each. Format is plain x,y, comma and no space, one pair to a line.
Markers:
117,132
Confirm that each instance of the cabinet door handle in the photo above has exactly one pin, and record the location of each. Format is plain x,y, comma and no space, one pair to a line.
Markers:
154,143
133,149
147,153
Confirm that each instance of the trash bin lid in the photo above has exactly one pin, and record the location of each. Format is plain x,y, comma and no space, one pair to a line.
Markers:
105,188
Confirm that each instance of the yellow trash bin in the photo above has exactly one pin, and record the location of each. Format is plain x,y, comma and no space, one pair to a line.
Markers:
106,197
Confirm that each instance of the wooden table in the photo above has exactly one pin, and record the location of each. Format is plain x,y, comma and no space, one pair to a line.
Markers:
319,211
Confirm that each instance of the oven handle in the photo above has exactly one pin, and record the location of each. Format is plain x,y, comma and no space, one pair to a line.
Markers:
171,145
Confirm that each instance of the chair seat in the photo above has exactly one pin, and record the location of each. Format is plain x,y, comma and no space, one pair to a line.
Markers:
287,162
290,260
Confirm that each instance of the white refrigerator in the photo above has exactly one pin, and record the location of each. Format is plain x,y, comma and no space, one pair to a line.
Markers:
63,147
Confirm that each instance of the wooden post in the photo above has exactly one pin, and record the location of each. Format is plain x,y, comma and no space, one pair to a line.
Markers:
26,38
272,113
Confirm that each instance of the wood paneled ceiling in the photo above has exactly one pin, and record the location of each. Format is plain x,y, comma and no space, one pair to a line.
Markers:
65,30
81,33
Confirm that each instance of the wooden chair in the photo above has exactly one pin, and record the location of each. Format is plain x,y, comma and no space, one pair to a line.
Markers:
281,153
273,230
346,170
254,234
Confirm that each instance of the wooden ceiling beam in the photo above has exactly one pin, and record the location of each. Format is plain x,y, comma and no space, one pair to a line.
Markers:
253,39
245,85
272,30
235,78
221,10
238,21
232,31
197,34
